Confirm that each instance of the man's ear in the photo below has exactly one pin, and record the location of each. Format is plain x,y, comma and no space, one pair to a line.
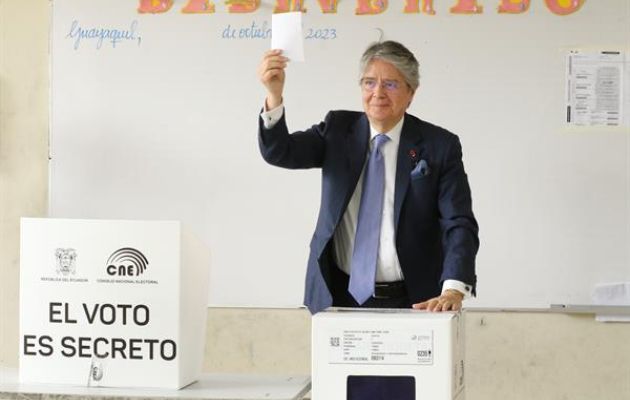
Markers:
413,93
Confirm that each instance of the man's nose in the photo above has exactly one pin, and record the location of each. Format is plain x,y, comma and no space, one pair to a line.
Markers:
379,90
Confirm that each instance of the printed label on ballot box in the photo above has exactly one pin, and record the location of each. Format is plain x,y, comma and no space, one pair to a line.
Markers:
382,347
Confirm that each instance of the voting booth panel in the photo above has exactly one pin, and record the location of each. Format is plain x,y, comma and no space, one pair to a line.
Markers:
418,353
111,303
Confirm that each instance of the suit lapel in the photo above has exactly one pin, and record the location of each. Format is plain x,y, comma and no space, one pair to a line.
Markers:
408,155
356,148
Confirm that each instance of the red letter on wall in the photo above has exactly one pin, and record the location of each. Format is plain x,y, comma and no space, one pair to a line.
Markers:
467,7
242,6
513,6
155,6
328,6
289,5
370,7
564,7
413,7
198,7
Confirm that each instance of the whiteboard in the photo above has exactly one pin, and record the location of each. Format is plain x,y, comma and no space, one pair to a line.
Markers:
162,125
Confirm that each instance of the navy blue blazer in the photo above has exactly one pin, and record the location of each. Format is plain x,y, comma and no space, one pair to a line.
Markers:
436,231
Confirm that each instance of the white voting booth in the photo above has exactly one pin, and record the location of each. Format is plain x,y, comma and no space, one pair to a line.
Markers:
111,303
425,350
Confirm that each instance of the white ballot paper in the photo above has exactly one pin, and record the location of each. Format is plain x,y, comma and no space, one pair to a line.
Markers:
286,34
595,88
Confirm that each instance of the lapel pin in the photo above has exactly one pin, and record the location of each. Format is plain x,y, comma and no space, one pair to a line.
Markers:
413,155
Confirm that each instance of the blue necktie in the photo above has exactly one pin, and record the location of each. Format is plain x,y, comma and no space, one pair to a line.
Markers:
366,241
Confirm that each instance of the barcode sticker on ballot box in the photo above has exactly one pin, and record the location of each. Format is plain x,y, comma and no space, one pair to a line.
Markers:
385,346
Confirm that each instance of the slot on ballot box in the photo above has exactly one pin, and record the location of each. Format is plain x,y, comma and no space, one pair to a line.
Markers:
409,354
111,303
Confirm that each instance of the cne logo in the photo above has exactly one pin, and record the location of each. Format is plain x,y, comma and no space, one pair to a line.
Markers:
126,262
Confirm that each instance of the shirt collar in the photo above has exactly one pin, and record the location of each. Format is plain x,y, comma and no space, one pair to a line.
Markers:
393,134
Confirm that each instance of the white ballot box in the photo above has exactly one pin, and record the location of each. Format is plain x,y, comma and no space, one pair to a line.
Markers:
111,303
419,353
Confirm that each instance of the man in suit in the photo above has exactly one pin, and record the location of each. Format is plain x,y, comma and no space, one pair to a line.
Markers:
395,226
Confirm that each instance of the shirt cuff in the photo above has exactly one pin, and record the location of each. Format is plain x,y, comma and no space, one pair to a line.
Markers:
270,118
460,286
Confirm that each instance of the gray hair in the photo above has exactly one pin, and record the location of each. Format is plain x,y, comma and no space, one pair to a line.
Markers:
397,55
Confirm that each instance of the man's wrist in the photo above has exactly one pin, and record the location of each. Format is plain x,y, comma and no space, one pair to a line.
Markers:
272,102
454,292
459,286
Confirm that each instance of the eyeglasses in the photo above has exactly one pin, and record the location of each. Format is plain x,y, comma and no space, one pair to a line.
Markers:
370,84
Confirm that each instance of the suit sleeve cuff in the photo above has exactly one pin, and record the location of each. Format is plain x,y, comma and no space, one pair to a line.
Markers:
460,286
271,117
